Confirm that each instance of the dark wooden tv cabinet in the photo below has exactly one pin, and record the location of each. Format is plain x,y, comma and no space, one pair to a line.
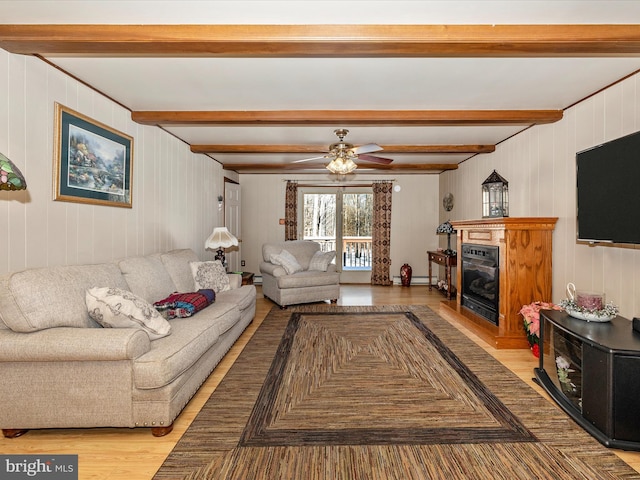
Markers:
592,370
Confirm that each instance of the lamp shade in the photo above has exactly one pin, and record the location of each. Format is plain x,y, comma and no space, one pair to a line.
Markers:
445,227
10,177
220,238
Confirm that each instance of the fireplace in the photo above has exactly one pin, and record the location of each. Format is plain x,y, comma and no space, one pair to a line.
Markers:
480,280
521,262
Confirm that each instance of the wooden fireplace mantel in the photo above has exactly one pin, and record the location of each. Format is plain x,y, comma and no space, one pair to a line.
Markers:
525,252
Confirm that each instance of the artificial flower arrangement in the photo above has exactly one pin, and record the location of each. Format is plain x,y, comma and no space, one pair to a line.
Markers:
531,314
607,311
568,387
564,369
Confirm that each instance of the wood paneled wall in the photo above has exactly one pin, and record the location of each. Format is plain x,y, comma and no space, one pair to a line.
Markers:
539,165
174,191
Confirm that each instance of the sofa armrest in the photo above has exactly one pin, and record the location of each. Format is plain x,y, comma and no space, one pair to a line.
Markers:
73,344
272,269
235,280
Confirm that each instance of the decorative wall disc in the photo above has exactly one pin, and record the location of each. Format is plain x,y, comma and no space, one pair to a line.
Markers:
447,202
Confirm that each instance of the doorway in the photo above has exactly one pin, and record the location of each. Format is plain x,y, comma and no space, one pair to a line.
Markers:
340,219
232,215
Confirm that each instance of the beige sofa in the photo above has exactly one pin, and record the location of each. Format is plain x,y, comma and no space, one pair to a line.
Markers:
311,283
61,369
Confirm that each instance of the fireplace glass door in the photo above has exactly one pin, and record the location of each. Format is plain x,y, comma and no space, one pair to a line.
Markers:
480,285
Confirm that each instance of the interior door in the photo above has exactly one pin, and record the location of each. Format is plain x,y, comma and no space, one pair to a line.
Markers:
232,217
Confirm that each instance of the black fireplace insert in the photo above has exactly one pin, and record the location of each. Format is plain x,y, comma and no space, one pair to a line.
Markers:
480,282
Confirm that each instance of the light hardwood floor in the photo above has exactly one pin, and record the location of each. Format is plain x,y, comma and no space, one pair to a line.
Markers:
134,454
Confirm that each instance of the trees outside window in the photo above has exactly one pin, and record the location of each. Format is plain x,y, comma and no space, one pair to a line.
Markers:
340,221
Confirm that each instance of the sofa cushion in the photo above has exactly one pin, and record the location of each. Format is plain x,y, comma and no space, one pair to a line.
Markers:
190,338
287,261
147,277
178,265
182,305
308,279
321,260
27,298
210,275
244,296
117,308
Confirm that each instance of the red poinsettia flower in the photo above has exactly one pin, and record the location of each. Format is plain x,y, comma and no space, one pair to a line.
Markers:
531,314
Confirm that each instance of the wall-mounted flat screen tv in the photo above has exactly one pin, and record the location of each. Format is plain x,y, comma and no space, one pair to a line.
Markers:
608,200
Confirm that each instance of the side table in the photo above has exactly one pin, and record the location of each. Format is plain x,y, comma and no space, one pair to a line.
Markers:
247,278
447,261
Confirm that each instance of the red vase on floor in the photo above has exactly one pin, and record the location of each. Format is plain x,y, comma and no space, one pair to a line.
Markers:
405,275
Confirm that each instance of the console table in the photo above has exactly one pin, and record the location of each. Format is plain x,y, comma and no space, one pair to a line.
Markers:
592,371
247,278
447,261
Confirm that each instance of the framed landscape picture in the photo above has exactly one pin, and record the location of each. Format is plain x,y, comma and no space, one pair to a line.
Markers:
93,162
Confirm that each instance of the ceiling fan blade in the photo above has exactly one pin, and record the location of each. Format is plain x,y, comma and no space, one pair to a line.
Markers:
374,159
309,159
368,148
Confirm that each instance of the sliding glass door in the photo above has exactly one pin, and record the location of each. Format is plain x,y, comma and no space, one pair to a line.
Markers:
340,219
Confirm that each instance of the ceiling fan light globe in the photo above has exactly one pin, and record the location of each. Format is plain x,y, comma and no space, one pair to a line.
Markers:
341,166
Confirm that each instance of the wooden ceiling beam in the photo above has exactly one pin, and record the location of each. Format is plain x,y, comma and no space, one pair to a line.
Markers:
239,167
348,117
439,148
228,148
323,40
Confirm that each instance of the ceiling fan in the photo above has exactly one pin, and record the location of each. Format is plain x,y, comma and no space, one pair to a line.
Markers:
343,154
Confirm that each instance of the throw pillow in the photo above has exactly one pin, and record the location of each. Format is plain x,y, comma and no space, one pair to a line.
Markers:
210,275
182,305
287,261
117,308
321,260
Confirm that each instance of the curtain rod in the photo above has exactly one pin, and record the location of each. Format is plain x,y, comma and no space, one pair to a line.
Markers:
324,183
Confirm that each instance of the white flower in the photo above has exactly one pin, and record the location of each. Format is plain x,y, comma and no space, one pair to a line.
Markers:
562,362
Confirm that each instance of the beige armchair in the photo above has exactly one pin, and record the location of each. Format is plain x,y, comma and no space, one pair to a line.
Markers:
297,271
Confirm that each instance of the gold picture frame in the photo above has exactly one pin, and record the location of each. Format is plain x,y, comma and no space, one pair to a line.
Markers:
93,163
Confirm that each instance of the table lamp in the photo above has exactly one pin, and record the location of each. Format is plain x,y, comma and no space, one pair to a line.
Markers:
447,228
219,239
10,177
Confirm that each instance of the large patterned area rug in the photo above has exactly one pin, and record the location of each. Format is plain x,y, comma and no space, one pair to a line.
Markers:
394,392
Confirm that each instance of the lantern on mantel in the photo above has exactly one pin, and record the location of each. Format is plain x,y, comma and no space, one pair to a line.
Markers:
495,196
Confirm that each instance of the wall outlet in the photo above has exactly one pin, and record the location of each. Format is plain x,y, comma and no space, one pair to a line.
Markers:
242,263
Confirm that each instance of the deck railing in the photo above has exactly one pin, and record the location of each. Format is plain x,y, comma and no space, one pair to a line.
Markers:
356,251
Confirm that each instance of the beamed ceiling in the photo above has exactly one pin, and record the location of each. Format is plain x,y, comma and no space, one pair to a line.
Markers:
260,97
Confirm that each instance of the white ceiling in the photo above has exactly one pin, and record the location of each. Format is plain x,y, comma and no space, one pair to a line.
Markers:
171,83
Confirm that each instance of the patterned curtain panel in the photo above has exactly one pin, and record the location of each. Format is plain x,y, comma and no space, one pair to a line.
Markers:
291,211
381,247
